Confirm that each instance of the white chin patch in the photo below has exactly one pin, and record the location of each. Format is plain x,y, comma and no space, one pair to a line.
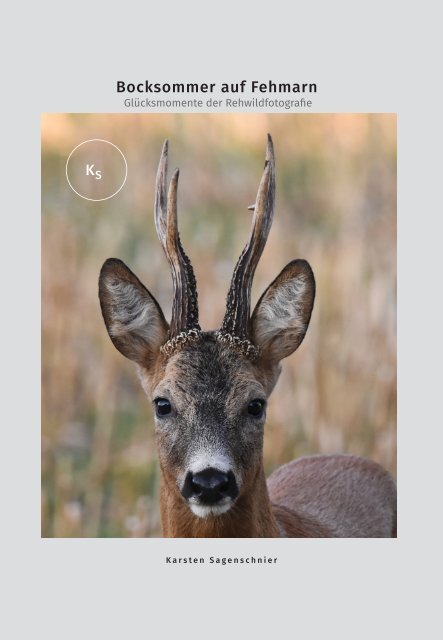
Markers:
204,511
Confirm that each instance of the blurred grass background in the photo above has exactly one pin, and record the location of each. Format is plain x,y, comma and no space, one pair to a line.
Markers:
336,207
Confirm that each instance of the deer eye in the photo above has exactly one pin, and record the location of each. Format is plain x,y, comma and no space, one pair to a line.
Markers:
256,408
162,407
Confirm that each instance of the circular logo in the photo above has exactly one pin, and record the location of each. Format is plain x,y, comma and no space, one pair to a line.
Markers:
96,170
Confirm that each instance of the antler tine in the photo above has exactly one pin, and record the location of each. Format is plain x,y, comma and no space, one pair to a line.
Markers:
185,306
160,212
236,320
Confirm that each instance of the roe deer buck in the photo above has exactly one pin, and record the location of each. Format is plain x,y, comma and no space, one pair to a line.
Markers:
209,390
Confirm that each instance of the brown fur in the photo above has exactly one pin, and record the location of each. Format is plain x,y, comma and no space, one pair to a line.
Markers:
296,509
351,496
296,525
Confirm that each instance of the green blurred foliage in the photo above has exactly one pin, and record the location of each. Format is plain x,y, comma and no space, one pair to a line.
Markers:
336,207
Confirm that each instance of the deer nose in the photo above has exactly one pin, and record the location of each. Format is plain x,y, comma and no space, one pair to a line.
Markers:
210,485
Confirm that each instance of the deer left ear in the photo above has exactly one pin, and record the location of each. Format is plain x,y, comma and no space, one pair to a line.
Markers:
133,318
282,314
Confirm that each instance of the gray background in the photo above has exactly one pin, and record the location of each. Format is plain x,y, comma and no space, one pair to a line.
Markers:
376,57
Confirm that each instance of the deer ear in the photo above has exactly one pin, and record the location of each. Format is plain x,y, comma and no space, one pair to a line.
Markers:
282,314
133,318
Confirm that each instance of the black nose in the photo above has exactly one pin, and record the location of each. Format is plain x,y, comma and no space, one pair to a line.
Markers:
210,486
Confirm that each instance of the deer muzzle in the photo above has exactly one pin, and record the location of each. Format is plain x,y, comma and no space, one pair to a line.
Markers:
210,491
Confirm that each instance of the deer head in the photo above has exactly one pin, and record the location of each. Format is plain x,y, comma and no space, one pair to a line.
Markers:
209,388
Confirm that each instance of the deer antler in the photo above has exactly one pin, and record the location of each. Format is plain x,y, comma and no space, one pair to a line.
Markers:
185,306
236,321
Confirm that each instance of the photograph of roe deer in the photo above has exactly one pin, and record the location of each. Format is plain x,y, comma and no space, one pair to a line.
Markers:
194,458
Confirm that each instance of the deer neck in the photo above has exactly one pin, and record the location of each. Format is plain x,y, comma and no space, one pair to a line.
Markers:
250,517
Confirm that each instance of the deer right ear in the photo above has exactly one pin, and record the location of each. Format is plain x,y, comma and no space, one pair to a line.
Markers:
281,317
133,318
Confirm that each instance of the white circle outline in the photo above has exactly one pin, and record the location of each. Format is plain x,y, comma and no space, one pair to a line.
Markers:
112,145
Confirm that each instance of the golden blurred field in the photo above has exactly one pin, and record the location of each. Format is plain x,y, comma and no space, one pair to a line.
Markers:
336,207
